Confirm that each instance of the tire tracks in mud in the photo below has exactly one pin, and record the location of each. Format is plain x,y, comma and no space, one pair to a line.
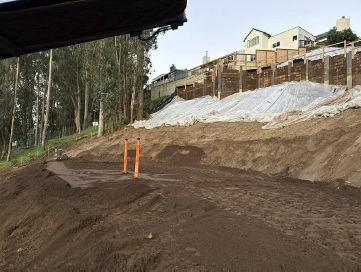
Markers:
200,218
328,215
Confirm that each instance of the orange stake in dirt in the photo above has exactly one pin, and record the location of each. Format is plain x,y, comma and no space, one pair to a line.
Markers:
125,171
137,154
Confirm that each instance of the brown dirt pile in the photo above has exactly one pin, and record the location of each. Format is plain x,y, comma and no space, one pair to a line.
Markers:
189,211
324,149
193,218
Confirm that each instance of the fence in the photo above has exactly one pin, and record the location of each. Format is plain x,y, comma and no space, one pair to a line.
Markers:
330,65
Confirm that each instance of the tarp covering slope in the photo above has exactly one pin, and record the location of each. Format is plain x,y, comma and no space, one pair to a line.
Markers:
274,105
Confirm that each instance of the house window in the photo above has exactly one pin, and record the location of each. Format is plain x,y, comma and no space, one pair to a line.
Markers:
252,42
294,38
276,44
307,41
253,57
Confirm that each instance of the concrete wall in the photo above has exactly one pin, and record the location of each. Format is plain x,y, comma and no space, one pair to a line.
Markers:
162,89
166,88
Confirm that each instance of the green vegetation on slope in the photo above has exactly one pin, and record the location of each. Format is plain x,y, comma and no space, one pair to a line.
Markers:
24,155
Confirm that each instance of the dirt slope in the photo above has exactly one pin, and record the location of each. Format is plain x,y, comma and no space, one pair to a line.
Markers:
189,211
324,149
193,218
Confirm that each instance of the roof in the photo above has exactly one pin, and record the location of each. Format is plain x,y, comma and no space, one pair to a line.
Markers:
276,34
321,36
28,26
258,31
292,29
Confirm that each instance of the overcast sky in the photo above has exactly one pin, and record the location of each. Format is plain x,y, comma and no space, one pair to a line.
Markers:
219,27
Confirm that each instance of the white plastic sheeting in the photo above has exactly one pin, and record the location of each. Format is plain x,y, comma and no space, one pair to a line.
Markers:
350,99
262,105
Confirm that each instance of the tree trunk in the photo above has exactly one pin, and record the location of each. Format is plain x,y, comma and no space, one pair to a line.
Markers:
140,104
48,100
37,112
120,112
4,144
118,58
77,112
86,102
140,71
14,108
77,117
42,119
101,119
125,101
77,105
133,97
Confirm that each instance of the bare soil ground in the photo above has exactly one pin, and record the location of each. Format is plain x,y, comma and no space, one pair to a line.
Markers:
200,203
323,149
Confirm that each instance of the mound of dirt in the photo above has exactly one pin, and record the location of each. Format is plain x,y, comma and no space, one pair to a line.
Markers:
220,196
321,149
177,218
181,155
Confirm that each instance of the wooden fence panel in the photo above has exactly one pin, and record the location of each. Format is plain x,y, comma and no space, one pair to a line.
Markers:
298,71
316,71
338,70
356,70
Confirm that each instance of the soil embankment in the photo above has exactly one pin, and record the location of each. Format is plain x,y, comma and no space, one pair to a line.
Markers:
209,197
324,149
187,218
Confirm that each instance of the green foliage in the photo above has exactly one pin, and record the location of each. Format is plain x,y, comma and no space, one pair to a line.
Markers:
4,164
83,74
149,102
335,36
25,155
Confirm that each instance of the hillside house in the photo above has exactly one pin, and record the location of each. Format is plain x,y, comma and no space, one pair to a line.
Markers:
260,49
290,39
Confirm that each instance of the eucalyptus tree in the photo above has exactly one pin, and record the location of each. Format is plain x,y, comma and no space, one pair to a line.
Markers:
145,69
48,99
14,108
133,64
68,78
104,82
101,80
7,76
28,100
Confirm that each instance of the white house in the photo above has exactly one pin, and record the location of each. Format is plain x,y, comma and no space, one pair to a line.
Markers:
291,39
256,39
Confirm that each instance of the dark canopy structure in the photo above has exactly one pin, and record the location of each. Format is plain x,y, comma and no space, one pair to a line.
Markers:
28,26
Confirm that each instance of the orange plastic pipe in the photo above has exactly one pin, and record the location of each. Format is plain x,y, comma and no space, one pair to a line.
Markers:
137,155
125,171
